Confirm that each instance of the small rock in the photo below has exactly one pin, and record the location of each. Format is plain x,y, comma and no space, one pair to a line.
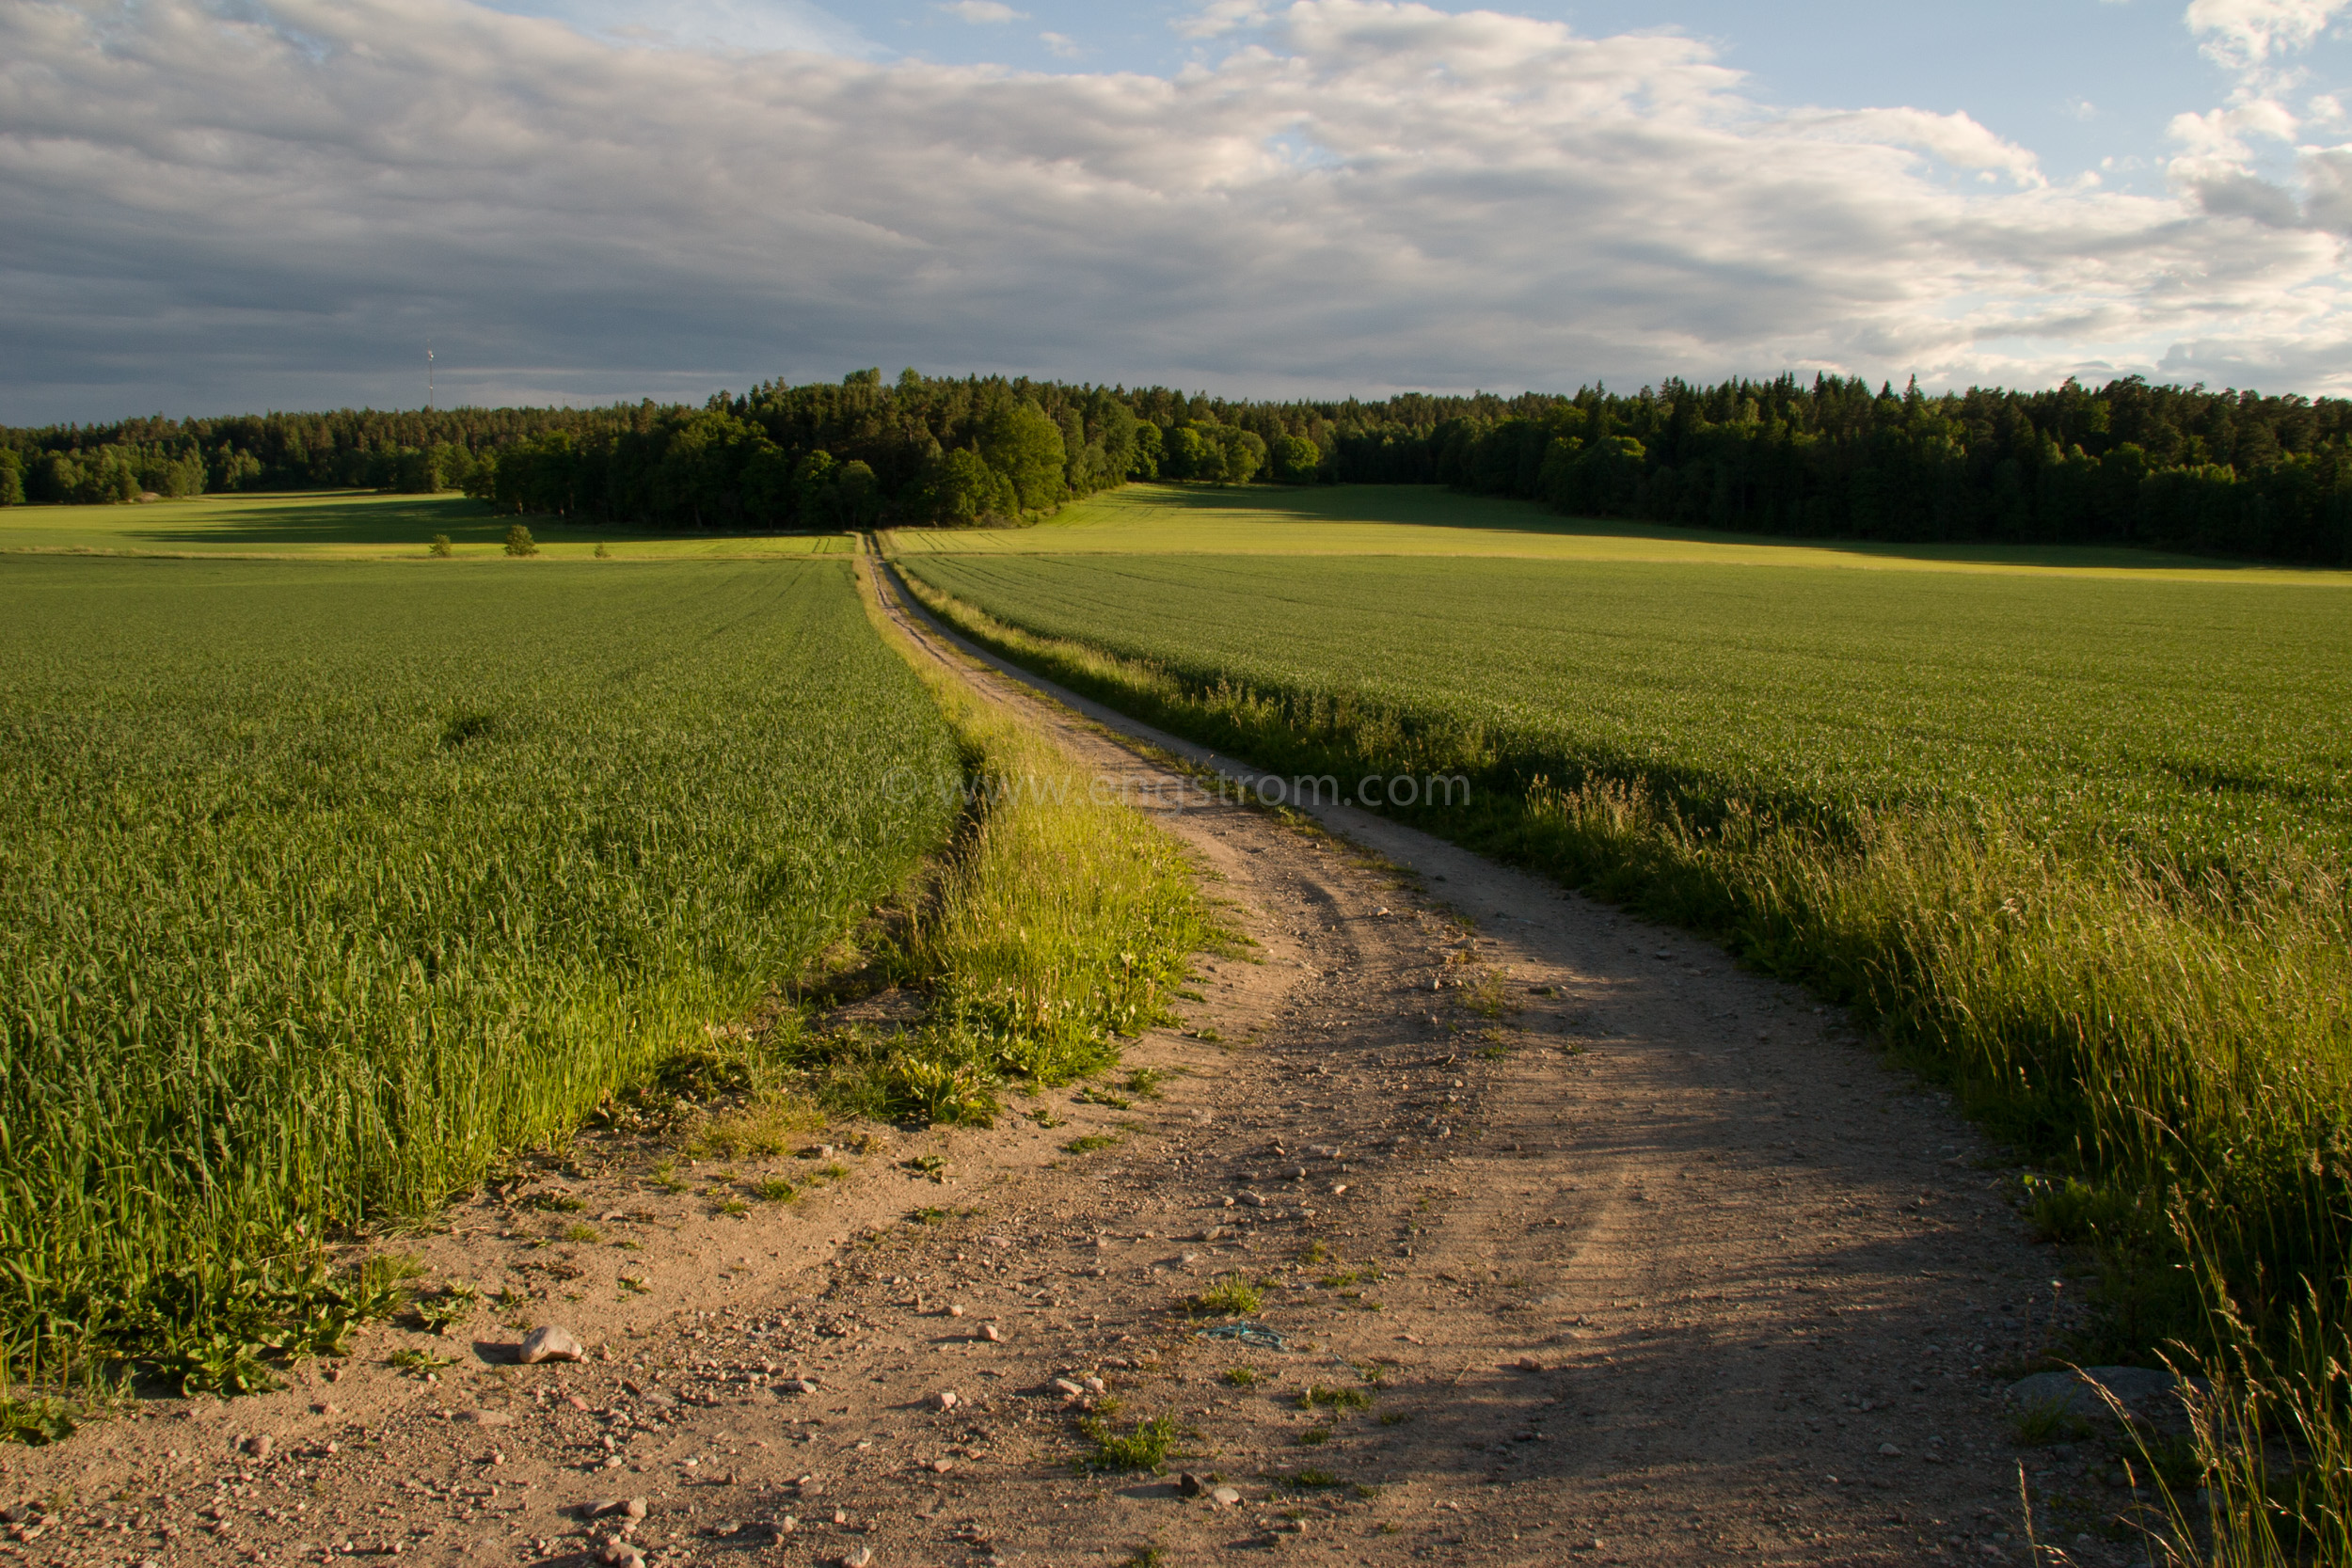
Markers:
1890,1450
954,1311
940,1466
945,1400
1069,1385
486,1417
2078,1393
1225,1497
796,1385
1255,1200
1093,1385
325,1410
261,1447
994,1335
857,1557
550,1343
1528,1364
1189,1485
579,1403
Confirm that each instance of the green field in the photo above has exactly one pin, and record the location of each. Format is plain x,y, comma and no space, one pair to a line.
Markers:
2191,719
322,883
2078,836
357,525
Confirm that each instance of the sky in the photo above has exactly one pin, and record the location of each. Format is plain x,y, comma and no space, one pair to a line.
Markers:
218,206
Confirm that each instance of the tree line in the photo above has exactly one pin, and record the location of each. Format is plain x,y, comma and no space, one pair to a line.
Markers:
2128,463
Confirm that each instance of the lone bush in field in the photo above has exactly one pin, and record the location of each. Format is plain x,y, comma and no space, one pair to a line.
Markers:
441,547
519,541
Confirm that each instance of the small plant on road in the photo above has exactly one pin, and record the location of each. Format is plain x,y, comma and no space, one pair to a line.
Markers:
1333,1399
1229,1295
1144,1449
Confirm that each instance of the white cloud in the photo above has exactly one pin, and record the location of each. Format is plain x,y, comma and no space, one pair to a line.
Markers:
982,11
260,209
2247,35
1955,138
750,25
1060,45
1218,17
2224,151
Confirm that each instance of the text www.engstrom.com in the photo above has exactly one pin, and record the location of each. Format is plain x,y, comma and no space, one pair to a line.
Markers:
1163,792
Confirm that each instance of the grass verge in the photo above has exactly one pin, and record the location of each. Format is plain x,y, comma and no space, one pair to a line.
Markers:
1054,924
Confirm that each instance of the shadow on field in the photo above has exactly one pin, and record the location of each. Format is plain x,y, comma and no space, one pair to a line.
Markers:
1435,506
324,517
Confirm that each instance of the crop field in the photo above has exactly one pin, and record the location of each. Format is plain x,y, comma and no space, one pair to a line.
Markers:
2080,839
322,883
357,525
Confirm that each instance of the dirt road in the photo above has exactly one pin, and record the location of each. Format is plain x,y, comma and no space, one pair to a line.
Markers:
1584,1246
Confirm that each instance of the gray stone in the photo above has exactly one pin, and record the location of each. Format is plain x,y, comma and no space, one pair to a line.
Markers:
550,1343
1225,1497
1189,1485
2076,1393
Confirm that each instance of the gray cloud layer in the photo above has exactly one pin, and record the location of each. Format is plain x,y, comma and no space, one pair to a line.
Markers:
215,209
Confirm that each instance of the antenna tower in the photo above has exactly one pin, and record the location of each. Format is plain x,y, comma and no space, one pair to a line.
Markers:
428,379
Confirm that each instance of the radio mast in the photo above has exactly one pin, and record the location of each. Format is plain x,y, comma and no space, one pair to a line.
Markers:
428,377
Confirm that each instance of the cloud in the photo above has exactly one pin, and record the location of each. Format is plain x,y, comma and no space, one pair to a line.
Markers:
274,207
1060,45
982,11
2247,35
749,25
2224,151
1218,17
1955,138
